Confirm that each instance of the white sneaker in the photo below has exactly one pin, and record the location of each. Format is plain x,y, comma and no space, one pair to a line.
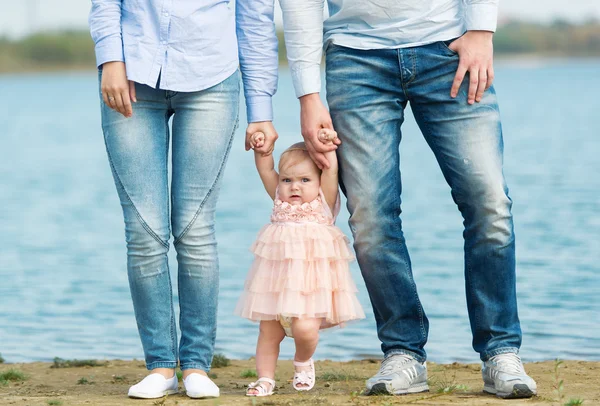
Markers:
504,376
200,386
399,374
154,386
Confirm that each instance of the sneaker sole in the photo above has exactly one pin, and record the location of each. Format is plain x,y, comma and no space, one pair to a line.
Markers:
152,396
201,395
519,391
381,389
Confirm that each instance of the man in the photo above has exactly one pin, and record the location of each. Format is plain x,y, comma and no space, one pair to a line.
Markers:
437,56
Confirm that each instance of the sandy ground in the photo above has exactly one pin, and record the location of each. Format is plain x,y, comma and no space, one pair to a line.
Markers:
338,383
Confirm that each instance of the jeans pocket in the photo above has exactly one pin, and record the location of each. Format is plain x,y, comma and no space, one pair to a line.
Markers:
445,45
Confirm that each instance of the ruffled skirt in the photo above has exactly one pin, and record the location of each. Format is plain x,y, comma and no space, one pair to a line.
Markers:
300,270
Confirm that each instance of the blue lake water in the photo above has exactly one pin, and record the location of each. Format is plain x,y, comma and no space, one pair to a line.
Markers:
63,282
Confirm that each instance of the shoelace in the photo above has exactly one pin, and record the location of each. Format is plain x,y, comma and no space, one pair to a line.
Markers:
510,363
394,360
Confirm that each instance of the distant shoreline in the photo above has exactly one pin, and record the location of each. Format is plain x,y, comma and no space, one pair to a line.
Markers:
502,59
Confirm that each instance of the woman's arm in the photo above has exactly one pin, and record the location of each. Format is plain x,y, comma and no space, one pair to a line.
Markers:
264,164
105,28
257,49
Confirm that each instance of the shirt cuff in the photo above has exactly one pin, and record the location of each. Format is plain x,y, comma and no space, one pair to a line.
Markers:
259,108
109,49
307,80
482,17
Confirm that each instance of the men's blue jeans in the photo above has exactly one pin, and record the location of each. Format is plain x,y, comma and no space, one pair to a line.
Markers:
203,125
367,92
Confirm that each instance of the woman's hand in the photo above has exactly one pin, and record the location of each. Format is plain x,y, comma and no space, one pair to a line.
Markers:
257,140
117,91
269,137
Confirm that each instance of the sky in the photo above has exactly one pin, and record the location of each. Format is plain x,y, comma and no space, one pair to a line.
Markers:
18,18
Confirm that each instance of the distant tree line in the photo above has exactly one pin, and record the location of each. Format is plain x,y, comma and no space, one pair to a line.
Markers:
75,49
558,38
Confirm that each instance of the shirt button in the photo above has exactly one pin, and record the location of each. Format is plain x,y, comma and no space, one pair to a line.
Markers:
166,14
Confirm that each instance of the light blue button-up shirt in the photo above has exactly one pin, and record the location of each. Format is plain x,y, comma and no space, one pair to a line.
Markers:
373,24
191,45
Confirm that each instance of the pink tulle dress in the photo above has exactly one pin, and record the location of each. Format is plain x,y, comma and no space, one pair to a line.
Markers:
301,268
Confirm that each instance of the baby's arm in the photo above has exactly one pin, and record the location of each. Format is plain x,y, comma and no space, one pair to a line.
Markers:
329,176
265,165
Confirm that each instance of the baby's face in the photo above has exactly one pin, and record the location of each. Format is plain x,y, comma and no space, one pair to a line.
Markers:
299,183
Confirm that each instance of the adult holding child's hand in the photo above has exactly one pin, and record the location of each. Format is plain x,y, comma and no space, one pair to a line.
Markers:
268,139
314,116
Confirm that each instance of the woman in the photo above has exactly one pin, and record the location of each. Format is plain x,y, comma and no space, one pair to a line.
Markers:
178,59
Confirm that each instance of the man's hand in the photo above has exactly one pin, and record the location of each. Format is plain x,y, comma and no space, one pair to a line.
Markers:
268,139
117,91
476,52
314,117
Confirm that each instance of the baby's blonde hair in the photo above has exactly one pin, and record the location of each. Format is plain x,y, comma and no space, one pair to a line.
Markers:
293,156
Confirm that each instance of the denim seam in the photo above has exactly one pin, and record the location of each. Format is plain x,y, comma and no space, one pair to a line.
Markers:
194,365
223,160
485,356
398,201
414,67
405,352
174,348
400,64
167,167
161,364
137,213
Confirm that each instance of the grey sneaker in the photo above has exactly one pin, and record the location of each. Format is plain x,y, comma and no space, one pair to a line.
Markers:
505,377
399,374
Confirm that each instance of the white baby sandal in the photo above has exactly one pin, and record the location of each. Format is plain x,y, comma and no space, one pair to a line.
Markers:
263,387
304,380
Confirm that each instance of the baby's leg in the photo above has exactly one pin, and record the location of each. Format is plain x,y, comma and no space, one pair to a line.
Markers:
267,349
306,338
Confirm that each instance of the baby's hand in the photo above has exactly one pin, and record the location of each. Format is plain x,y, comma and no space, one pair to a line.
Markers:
327,136
257,140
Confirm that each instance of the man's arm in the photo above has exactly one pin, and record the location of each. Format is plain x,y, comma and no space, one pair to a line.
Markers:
257,47
303,27
475,49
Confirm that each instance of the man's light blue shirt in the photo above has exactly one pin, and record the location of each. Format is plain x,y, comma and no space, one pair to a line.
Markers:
373,24
188,46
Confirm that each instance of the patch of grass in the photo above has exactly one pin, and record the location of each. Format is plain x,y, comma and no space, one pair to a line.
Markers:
453,388
1,359
212,375
119,379
84,381
338,376
179,375
249,373
54,402
445,385
220,361
74,363
12,375
559,387
161,401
